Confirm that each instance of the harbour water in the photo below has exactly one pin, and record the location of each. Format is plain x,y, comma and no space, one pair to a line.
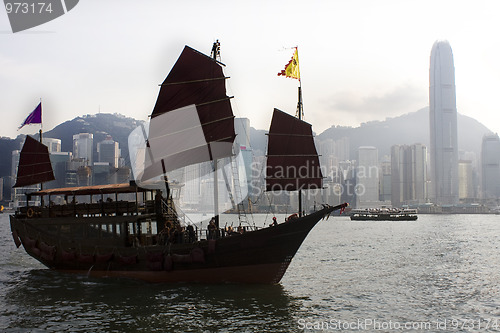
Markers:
440,273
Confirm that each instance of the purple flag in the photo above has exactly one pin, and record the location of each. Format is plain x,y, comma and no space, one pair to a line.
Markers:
35,117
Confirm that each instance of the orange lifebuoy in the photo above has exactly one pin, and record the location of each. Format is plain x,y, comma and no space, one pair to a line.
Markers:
30,212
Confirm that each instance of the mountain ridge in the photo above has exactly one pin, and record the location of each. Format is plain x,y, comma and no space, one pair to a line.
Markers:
409,128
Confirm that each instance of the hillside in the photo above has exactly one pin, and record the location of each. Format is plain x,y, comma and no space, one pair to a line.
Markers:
102,124
406,129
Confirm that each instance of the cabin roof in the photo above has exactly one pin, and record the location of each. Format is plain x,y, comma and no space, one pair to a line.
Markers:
88,190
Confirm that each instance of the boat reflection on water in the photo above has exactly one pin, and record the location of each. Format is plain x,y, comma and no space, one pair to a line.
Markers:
49,300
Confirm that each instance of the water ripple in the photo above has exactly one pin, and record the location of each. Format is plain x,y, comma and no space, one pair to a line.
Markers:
437,268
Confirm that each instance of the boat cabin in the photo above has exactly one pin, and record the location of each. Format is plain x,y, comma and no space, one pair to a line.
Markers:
115,213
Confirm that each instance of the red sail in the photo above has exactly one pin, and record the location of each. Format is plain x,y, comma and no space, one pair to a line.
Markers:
34,164
198,79
292,159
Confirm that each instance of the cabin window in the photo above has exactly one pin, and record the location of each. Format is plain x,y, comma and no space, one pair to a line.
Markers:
58,200
126,196
148,227
132,228
107,231
81,199
95,198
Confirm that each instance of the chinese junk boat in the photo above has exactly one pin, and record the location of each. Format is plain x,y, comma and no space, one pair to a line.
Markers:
134,230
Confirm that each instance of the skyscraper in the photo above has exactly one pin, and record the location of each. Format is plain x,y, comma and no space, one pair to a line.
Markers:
408,174
83,147
367,175
490,166
54,145
443,124
108,151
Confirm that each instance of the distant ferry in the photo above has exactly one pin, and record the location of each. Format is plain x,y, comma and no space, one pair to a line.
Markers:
383,214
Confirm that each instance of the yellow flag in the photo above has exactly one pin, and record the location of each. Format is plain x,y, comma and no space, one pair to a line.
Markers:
292,68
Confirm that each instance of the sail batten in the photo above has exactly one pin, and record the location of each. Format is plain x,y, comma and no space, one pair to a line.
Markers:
297,155
292,158
216,101
34,164
195,81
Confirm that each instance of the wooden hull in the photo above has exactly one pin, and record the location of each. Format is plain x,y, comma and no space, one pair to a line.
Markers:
259,256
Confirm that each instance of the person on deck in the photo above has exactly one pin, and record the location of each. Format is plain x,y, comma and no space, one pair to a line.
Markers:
191,234
212,228
275,222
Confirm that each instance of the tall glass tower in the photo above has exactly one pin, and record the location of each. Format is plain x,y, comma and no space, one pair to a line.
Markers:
443,123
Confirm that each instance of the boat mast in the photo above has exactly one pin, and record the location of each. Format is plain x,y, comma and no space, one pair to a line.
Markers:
216,54
300,114
300,109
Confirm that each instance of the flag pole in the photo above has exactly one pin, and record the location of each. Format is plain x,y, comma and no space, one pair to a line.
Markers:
300,114
300,107
41,122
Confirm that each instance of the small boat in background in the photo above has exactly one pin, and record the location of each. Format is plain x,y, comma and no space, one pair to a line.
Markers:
384,214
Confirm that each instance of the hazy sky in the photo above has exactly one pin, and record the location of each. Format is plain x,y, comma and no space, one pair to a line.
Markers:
360,60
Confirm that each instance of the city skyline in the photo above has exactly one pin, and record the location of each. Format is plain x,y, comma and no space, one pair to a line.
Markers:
334,154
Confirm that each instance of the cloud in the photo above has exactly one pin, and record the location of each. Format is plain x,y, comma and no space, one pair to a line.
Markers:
14,69
402,99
